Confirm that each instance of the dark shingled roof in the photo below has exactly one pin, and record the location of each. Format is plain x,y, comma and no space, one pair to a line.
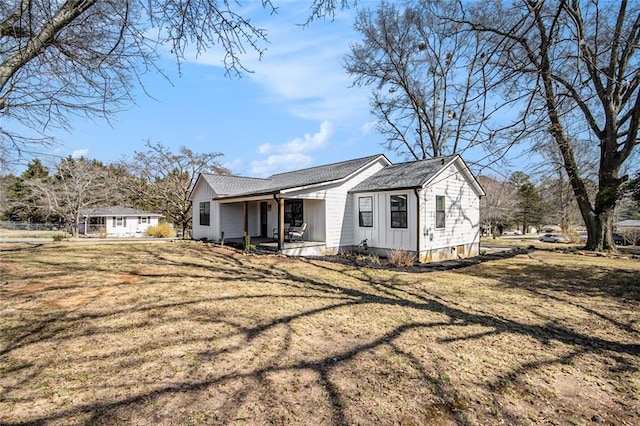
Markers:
228,186
412,174
116,211
225,185
320,174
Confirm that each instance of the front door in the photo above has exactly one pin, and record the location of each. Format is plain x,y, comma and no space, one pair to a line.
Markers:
263,220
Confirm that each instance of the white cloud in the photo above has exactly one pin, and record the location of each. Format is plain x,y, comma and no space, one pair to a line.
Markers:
368,127
301,70
277,163
307,143
293,154
80,153
265,148
234,165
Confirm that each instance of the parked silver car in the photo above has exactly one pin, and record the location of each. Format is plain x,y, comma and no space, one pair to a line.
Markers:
554,238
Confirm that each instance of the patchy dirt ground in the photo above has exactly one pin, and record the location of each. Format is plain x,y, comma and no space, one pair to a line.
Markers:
185,333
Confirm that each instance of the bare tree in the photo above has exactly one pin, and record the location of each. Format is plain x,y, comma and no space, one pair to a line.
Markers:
557,192
428,88
163,180
82,57
573,69
630,235
78,185
498,207
633,189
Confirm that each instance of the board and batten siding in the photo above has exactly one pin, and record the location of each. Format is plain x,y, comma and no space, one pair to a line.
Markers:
203,193
381,235
460,235
339,208
462,214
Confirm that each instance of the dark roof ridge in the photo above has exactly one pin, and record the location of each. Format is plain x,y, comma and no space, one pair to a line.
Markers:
236,176
425,159
326,165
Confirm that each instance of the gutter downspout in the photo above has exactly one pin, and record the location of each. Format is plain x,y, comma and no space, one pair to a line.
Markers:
416,191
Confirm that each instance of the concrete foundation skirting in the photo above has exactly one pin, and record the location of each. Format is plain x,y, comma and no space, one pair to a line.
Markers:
311,248
305,250
462,251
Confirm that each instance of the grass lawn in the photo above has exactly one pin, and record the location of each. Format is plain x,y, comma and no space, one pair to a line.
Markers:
186,333
17,233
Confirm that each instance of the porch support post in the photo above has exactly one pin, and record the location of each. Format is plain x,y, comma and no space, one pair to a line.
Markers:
419,231
280,206
245,217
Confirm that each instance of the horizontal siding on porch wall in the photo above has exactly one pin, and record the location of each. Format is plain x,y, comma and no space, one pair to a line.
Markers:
232,220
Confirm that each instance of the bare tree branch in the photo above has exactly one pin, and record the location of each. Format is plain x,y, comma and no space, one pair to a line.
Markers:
163,180
580,61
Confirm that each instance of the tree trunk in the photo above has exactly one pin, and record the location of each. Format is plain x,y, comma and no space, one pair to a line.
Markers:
75,226
600,237
600,220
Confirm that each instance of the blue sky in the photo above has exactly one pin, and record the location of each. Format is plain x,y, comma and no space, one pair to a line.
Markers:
295,110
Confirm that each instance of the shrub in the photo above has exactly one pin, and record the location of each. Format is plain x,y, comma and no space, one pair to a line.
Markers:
162,230
247,243
371,258
631,235
573,235
59,237
401,258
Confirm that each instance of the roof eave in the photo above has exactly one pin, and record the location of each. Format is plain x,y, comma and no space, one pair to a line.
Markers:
387,189
245,197
195,185
465,170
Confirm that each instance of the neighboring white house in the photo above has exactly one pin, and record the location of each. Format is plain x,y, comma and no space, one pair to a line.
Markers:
116,221
429,207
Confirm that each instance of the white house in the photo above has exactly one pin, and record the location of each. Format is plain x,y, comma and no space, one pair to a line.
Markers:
116,221
429,207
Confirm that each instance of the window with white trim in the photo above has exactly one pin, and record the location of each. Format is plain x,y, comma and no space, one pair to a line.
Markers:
365,212
205,213
441,219
398,211
293,212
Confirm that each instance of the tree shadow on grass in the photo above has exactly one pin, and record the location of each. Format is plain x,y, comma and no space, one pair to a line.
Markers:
574,279
572,285
333,290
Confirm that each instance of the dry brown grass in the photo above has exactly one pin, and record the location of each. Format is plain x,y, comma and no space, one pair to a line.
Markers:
185,333
401,258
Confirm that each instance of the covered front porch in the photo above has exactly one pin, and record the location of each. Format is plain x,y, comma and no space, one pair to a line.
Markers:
267,219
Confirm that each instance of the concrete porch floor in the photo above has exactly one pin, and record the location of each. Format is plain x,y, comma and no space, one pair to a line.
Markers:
289,248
